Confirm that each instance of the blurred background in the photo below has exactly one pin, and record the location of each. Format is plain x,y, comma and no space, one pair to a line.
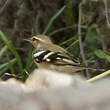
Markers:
80,26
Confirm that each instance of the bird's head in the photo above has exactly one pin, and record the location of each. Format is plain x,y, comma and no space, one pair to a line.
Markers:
38,39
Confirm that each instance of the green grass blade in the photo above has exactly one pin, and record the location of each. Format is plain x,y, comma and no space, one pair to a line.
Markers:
13,50
6,64
3,50
10,65
53,18
65,42
75,42
3,70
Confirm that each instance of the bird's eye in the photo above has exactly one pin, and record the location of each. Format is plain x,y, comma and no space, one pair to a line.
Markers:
33,39
36,39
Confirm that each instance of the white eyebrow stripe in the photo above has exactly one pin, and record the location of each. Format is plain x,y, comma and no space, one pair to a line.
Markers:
46,56
38,53
40,39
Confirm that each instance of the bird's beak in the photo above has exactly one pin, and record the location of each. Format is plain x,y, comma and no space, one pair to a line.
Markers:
29,40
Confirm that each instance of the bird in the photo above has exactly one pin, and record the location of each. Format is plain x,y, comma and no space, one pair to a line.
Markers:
48,55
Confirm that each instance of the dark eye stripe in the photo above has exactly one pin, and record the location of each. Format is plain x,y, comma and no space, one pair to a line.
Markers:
34,39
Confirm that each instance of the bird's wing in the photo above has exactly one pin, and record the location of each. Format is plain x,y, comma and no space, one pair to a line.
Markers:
39,55
66,59
63,55
71,57
57,58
